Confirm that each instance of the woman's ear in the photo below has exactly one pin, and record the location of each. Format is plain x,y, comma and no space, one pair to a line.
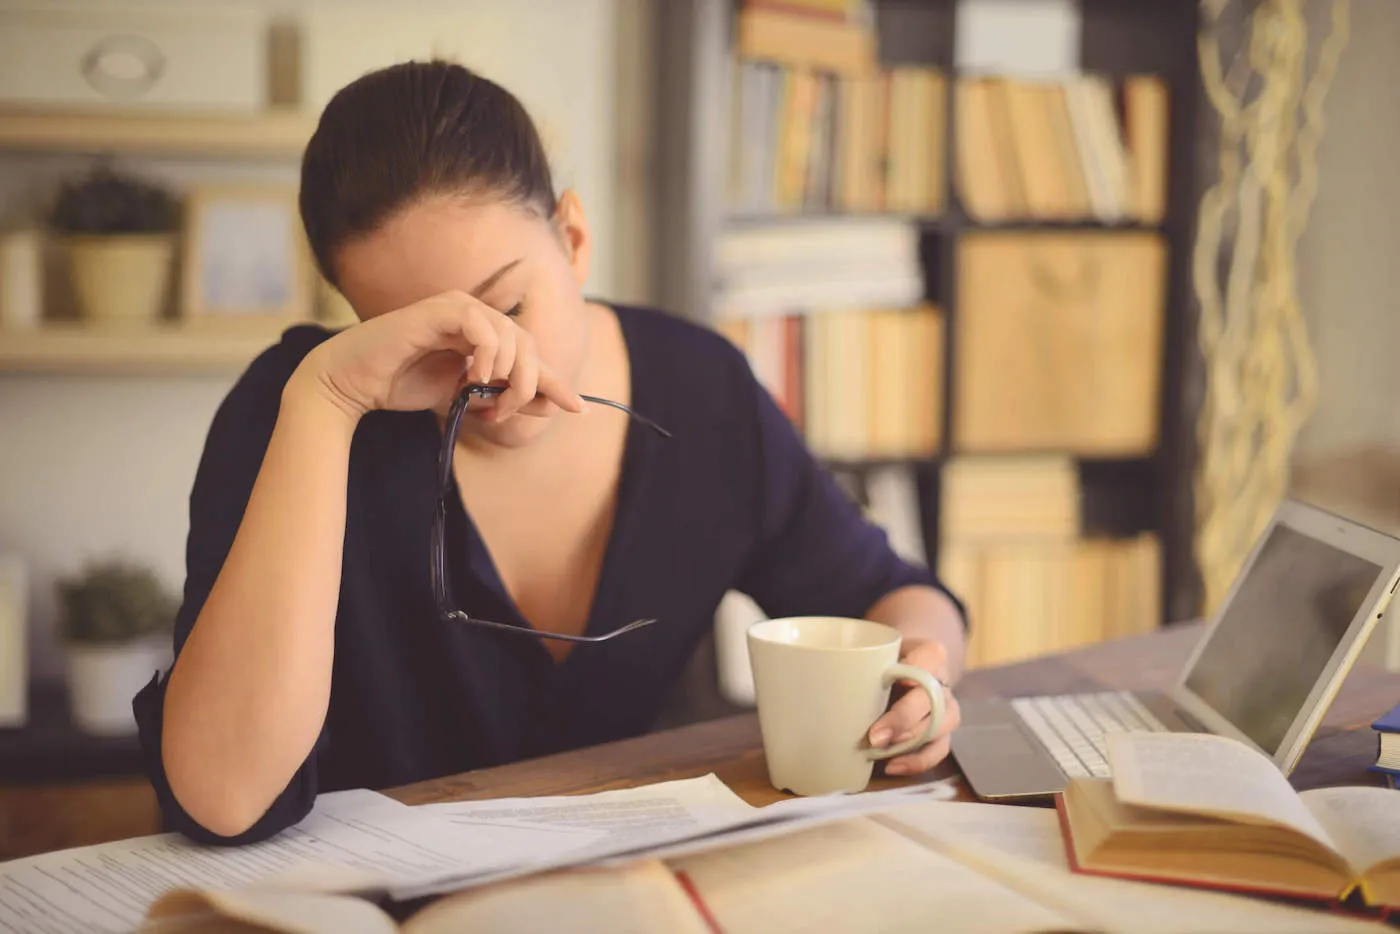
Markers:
572,226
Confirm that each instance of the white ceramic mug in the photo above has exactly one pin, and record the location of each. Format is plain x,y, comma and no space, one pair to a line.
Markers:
820,684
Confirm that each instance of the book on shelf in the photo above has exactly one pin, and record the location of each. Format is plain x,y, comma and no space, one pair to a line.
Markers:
1059,341
848,11
1012,546
805,139
1076,148
860,384
1028,598
837,36
1198,809
830,263
1014,496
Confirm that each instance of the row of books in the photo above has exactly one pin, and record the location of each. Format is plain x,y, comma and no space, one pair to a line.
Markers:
859,384
1027,598
1059,335
836,36
1073,149
1011,545
780,269
804,140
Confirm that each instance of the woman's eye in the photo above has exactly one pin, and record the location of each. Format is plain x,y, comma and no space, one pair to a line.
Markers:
514,310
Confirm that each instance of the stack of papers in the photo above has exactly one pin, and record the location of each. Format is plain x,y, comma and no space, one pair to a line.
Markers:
362,841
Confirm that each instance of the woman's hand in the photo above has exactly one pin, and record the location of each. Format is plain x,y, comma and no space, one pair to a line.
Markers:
907,715
418,357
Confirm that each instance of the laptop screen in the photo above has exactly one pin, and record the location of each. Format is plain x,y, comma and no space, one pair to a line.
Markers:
1278,633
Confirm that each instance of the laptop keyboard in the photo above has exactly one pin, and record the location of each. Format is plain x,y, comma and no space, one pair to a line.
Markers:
1073,727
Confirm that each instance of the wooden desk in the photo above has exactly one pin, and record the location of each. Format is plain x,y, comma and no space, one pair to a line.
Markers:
732,748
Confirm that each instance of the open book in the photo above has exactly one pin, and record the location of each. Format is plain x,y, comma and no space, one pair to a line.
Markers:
987,869
636,899
1211,811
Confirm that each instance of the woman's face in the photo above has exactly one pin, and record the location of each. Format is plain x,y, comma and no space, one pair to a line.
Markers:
507,256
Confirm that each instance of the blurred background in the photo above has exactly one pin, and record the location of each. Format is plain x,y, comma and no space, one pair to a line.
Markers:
1068,293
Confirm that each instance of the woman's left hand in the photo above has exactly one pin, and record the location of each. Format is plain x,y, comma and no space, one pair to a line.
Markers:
907,715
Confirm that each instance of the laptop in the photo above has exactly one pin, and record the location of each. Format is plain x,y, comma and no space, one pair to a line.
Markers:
1269,664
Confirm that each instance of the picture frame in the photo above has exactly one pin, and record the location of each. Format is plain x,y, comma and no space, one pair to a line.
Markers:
245,260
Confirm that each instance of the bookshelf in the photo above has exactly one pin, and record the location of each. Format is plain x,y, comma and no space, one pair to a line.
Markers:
1138,491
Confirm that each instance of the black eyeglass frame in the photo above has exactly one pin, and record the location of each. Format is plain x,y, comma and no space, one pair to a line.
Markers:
438,544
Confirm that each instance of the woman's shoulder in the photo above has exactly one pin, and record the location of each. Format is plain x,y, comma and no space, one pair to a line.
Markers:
252,403
277,362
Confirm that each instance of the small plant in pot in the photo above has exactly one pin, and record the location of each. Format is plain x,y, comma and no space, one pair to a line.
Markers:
114,614
119,233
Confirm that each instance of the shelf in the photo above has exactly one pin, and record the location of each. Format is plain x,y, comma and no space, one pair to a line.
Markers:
275,134
50,748
783,218
1054,225
73,349
866,464
942,222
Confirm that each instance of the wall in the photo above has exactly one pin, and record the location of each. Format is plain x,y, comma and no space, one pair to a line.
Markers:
1348,274
90,465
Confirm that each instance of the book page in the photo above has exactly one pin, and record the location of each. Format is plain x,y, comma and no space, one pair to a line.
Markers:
1364,821
1115,906
109,887
1028,833
1022,848
855,875
260,911
1198,773
639,899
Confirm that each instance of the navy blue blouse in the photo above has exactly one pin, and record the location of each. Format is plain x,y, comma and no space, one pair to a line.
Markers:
733,501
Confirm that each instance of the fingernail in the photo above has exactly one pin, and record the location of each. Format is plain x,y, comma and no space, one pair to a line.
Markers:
881,736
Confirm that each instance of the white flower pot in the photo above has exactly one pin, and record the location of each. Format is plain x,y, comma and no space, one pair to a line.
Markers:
103,679
121,279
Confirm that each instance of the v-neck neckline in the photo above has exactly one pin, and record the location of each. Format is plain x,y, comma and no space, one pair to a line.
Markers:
482,563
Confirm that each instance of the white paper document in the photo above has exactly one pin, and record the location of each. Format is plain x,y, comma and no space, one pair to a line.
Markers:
789,815
654,821
351,839
604,821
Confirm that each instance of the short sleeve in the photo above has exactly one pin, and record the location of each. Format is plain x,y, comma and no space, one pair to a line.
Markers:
228,467
816,554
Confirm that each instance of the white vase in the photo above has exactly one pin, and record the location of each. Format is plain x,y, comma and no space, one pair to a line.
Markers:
103,679
21,280
121,279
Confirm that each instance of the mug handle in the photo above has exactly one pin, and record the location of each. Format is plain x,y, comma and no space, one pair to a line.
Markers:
933,688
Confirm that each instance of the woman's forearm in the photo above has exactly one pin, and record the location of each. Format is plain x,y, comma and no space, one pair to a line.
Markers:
926,613
248,695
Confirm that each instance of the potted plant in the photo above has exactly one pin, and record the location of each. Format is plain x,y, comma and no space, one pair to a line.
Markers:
119,234
113,613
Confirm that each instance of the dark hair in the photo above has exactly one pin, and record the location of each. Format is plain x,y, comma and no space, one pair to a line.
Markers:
410,131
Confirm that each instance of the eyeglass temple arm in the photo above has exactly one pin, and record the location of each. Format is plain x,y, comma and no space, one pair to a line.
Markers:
476,389
460,617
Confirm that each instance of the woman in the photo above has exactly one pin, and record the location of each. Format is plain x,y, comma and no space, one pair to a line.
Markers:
311,654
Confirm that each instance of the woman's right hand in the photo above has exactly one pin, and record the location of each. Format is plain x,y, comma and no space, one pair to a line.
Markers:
418,357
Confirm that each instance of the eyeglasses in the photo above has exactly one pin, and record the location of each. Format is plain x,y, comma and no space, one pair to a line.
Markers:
438,546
